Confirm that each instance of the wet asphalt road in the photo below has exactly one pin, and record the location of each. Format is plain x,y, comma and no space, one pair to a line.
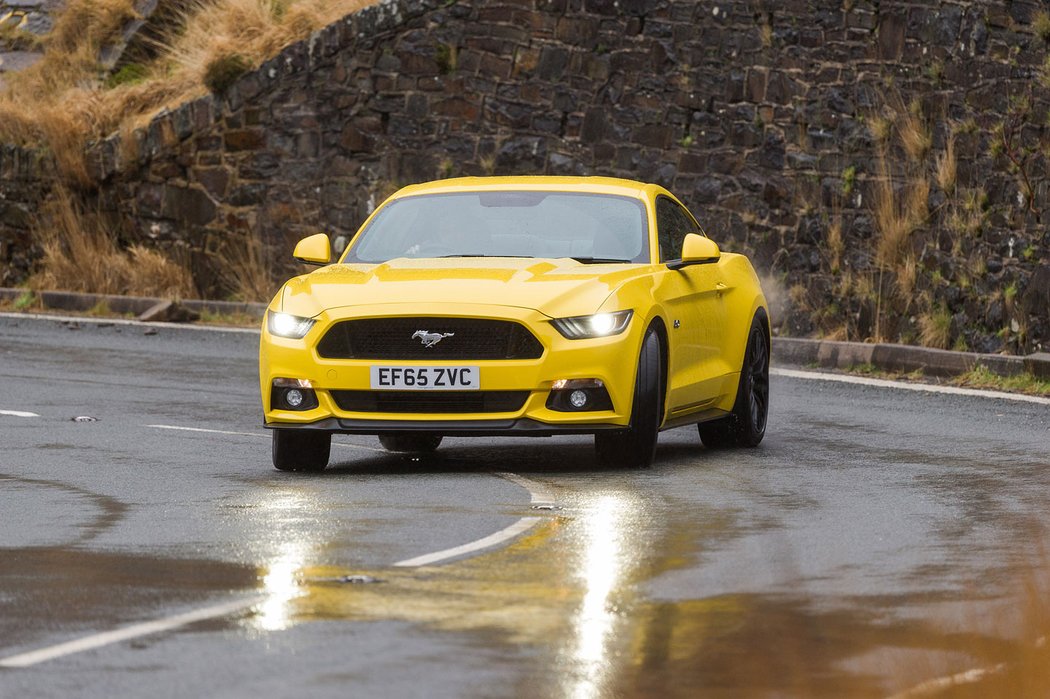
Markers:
877,538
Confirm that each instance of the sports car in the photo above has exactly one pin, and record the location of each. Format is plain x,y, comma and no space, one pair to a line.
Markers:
517,306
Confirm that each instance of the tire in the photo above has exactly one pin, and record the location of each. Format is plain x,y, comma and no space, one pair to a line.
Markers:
301,450
635,447
746,425
410,441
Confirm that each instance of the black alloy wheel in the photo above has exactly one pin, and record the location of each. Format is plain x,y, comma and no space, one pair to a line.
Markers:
301,450
746,425
410,441
635,447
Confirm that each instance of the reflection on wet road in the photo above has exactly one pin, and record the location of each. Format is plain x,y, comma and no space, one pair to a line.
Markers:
877,540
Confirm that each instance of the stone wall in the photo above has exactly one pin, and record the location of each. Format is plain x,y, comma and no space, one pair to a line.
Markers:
775,122
25,181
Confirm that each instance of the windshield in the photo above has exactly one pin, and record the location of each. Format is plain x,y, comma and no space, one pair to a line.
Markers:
587,227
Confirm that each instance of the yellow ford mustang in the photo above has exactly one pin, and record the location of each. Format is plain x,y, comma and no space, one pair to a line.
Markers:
517,306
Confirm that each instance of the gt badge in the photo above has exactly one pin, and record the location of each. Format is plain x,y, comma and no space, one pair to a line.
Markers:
430,339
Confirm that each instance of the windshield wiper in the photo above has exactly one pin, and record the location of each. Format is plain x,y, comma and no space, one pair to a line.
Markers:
525,257
598,260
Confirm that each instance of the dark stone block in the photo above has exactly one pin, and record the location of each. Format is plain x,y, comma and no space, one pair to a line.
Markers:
552,63
891,37
245,139
188,205
593,129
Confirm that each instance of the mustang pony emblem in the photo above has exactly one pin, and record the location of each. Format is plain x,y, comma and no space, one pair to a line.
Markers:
430,339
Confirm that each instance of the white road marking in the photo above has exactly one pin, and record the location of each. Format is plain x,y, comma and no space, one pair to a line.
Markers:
256,434
938,685
18,413
926,388
125,321
128,632
538,494
514,530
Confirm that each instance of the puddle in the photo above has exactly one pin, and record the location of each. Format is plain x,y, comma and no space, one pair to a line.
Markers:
51,594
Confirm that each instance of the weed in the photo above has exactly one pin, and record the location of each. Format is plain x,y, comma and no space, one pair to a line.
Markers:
914,133
80,253
936,327
131,74
27,299
1041,25
765,34
447,57
687,140
946,168
881,127
223,71
967,126
836,245
849,179
249,267
981,377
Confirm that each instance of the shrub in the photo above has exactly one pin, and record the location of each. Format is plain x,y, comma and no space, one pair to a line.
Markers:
223,71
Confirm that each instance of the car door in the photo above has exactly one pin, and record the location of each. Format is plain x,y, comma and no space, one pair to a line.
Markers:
692,297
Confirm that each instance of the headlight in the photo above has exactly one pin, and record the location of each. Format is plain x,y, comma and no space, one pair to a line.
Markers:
598,325
287,325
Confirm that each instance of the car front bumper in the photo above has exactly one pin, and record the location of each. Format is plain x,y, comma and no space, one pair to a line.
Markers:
612,360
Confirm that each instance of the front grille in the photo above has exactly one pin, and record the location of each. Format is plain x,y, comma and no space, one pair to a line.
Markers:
430,401
465,339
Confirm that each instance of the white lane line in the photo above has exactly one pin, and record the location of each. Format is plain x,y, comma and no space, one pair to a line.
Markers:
18,413
255,434
938,685
128,632
538,492
514,530
926,388
538,495
126,322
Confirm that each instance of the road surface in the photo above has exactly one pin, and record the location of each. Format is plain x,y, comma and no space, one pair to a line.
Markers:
877,539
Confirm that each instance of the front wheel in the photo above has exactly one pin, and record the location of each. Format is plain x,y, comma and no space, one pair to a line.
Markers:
635,447
410,441
301,450
746,425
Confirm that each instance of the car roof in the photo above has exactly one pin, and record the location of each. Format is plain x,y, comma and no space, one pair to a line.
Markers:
592,185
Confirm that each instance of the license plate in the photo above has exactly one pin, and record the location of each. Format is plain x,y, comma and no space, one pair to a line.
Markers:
426,378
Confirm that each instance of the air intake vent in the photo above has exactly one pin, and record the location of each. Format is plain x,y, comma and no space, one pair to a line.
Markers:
429,338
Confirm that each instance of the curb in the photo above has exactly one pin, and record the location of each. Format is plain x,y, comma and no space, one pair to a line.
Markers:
905,358
792,351
137,305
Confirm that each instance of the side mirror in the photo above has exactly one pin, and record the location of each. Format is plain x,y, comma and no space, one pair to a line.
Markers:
315,250
696,250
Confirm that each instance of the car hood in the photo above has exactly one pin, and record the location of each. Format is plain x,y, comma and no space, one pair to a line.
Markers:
555,287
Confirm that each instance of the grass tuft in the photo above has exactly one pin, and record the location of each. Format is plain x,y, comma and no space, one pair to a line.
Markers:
81,253
223,71
936,327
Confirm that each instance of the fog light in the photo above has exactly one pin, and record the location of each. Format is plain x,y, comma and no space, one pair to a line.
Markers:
578,399
294,397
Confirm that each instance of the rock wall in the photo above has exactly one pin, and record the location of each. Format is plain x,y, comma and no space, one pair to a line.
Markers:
885,164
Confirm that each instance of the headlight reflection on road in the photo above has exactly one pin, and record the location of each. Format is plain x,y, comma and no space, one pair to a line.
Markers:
281,586
282,579
601,569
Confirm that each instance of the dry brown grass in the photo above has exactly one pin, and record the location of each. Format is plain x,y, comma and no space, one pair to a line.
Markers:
81,253
946,167
249,267
898,214
936,327
836,244
62,102
914,132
